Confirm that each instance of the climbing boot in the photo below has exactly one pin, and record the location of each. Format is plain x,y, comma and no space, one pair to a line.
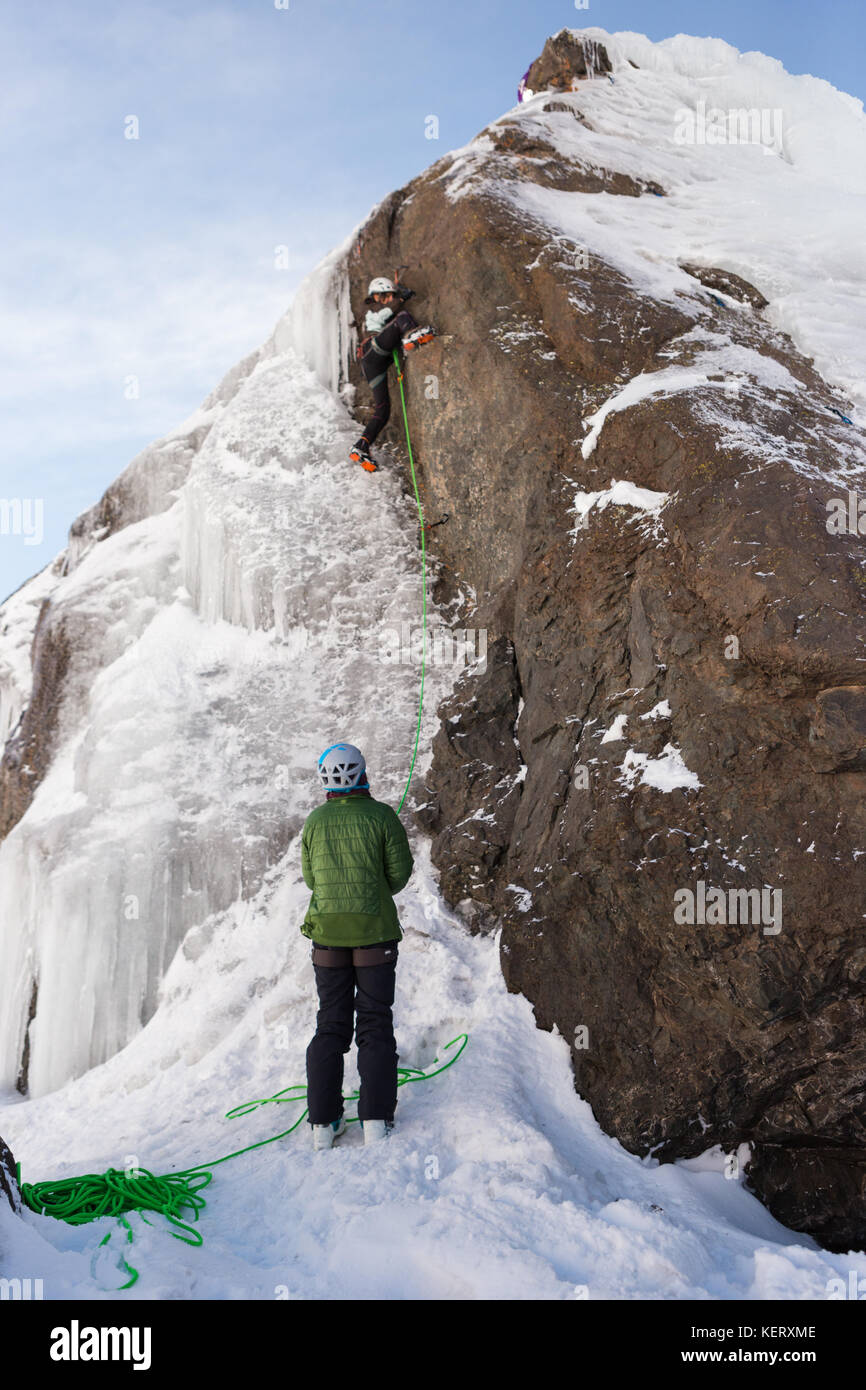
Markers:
376,1130
417,338
324,1135
359,453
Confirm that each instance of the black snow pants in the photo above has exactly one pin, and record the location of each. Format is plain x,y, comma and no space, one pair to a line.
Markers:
337,983
374,364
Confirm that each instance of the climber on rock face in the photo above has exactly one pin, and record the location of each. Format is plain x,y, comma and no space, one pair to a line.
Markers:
386,326
354,856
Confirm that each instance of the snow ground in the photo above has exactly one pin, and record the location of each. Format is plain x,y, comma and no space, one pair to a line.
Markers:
497,1182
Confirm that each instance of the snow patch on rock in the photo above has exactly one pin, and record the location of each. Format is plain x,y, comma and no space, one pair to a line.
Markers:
665,773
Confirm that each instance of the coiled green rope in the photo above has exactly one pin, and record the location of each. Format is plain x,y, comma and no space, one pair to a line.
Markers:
116,1191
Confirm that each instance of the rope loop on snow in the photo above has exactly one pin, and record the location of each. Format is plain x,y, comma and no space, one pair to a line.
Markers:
117,1191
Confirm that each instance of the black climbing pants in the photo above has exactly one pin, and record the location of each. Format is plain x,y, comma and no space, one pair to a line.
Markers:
375,363
345,990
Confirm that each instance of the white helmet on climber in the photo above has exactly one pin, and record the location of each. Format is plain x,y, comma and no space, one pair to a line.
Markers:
342,768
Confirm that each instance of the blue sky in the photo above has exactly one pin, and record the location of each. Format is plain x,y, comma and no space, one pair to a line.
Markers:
258,127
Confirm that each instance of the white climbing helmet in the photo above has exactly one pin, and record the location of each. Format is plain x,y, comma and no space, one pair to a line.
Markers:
342,767
381,285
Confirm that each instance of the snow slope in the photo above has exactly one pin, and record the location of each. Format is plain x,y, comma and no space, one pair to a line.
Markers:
785,211
497,1183
154,885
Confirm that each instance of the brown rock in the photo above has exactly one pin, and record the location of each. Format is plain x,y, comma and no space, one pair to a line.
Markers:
736,607
478,778
28,752
567,58
726,283
838,730
8,1177
797,1182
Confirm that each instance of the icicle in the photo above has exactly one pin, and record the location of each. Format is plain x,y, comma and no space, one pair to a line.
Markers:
317,326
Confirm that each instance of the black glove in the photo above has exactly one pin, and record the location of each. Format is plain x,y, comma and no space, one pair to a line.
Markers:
404,293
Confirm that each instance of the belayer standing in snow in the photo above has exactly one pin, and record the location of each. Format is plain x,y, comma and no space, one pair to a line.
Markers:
355,856
386,326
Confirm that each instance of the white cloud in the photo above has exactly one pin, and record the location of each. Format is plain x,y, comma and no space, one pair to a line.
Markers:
177,319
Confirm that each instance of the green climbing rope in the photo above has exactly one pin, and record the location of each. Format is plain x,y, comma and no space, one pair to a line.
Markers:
423,580
80,1200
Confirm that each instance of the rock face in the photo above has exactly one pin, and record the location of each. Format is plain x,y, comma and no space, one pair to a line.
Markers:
673,705
566,60
8,1179
29,751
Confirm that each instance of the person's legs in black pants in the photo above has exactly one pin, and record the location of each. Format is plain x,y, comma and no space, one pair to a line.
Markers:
336,988
374,1034
381,410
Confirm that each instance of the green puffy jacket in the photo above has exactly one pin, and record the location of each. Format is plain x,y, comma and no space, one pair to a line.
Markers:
354,856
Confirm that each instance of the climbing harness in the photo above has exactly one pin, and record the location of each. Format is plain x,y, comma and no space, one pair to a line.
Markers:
80,1200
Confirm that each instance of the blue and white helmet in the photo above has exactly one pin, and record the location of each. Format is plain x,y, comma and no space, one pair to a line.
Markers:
342,768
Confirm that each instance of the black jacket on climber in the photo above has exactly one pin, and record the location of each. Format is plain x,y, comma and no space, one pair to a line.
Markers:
386,327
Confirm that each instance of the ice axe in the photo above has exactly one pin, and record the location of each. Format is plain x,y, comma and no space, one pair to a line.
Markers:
405,295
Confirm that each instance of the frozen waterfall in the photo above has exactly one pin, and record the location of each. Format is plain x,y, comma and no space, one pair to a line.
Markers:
220,644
